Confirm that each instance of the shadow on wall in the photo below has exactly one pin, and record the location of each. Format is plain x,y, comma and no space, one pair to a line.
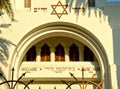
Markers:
4,52
82,5
118,72
113,13
114,21
116,47
1,72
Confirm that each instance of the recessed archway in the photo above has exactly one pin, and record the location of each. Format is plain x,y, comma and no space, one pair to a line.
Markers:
66,30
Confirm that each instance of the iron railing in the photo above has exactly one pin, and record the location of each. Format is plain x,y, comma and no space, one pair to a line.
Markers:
12,84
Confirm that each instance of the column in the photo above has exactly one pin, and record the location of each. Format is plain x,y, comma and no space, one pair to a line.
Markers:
113,74
52,54
81,53
38,54
67,54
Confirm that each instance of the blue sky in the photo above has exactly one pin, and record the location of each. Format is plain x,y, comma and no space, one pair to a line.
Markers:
113,0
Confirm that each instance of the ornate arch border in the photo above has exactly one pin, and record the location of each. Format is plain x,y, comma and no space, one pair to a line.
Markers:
68,30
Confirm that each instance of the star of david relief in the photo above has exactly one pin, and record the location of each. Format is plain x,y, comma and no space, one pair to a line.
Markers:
59,9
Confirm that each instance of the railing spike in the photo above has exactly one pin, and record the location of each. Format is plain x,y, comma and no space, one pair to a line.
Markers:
39,87
54,87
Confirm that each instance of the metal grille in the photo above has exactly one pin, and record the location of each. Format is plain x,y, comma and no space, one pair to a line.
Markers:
82,83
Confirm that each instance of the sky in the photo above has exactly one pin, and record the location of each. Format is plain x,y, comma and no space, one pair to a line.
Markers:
113,0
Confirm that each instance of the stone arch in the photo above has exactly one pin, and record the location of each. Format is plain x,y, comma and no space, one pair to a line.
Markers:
64,29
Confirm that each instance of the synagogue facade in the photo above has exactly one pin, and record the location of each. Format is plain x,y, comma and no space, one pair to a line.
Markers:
61,44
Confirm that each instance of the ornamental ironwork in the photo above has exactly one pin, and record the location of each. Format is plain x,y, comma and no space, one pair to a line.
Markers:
13,83
83,83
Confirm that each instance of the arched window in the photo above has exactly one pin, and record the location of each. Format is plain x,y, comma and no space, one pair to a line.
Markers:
27,3
74,53
45,53
31,54
91,3
59,53
88,54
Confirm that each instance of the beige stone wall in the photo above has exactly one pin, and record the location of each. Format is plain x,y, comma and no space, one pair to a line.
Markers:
100,23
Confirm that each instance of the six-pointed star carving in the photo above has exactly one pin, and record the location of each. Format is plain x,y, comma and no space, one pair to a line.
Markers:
54,12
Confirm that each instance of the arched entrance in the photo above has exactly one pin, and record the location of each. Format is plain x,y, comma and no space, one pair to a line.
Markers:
63,29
